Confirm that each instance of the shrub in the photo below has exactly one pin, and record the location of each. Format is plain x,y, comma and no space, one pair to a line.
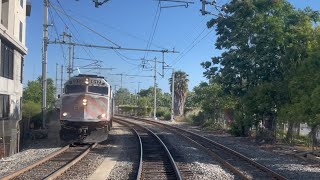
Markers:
160,113
235,130
210,124
167,116
265,136
30,109
198,119
134,110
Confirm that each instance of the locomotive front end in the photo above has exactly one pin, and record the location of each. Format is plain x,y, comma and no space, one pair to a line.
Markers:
86,107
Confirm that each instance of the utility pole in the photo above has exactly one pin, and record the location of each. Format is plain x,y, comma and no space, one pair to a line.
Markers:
138,92
139,86
121,80
155,90
70,68
56,78
61,81
44,62
172,96
72,65
162,65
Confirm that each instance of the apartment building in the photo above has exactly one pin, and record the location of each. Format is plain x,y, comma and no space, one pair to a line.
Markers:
13,50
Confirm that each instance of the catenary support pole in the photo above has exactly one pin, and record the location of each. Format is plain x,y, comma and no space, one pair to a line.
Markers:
172,96
61,81
70,69
138,93
56,78
155,90
44,63
121,81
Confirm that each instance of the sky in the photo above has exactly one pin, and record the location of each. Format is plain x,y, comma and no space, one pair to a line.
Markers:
129,24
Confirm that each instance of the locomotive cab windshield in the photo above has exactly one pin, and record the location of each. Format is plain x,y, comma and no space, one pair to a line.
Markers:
71,89
86,85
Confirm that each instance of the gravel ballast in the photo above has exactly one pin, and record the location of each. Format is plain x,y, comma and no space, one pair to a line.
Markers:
288,166
118,138
194,163
128,163
32,153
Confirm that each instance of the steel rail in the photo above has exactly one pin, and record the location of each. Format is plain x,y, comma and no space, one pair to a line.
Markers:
70,164
175,167
25,169
256,164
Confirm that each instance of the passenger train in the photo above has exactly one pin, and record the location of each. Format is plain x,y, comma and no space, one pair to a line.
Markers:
86,109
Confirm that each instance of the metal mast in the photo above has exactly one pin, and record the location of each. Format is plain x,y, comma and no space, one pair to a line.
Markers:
56,78
70,68
61,81
121,80
155,90
172,96
44,62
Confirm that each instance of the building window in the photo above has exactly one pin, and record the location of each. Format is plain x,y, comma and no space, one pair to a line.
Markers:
21,69
21,3
6,64
4,106
20,31
5,13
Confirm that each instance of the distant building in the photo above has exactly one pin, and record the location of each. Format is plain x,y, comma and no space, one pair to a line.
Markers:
13,15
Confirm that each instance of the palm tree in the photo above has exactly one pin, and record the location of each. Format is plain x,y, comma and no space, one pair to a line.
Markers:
180,91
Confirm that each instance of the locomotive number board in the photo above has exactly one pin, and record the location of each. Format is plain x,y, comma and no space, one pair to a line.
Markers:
91,82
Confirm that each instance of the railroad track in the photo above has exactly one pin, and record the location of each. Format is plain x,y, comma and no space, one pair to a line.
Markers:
156,161
237,163
53,165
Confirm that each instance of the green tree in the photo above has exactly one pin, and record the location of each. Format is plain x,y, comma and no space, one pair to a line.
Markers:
264,42
123,97
304,93
180,91
33,92
212,100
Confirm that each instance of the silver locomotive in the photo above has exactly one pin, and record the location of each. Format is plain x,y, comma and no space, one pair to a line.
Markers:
86,109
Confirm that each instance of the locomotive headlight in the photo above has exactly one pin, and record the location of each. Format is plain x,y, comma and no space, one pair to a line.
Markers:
86,81
84,102
102,116
64,114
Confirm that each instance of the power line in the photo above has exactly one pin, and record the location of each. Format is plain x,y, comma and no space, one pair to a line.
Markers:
128,75
79,22
116,29
87,50
154,27
122,58
183,52
193,46
57,33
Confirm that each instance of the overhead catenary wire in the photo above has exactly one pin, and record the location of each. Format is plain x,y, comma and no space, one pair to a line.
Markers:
64,12
194,45
122,57
116,29
154,27
87,50
57,33
79,22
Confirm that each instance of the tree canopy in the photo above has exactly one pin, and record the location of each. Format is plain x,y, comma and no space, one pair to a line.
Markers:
268,49
33,91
